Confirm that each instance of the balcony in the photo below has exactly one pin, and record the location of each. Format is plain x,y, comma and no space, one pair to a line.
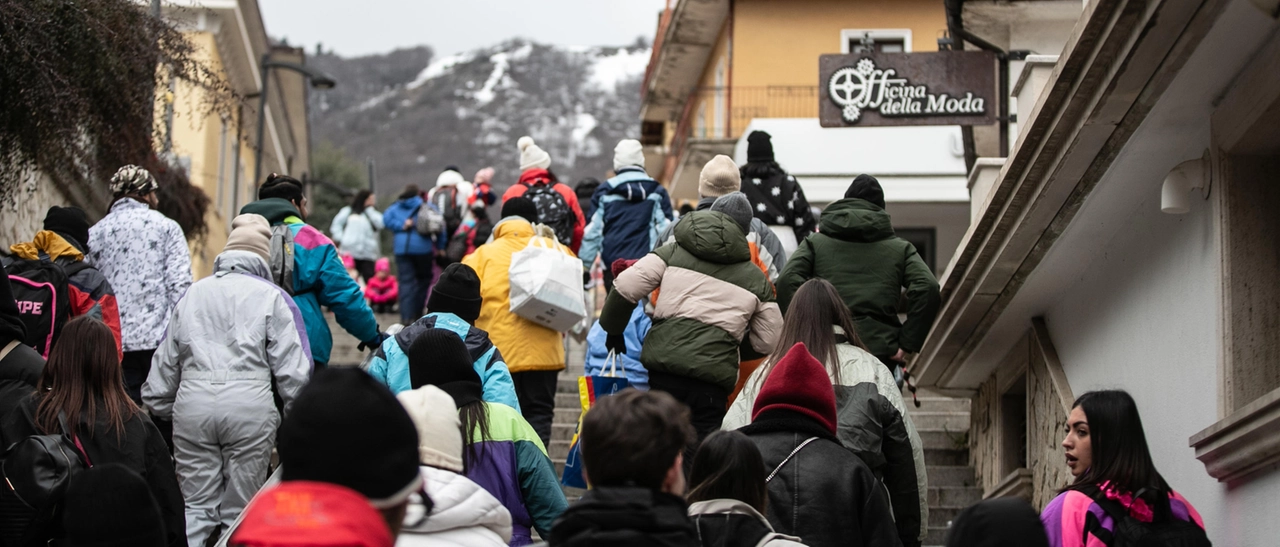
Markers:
714,118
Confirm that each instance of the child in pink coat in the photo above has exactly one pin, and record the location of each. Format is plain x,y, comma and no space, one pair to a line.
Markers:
382,290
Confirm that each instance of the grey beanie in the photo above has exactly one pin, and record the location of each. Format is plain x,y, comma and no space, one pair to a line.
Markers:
738,207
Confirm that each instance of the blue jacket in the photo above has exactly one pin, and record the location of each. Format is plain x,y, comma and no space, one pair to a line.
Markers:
409,242
390,363
637,329
319,279
631,209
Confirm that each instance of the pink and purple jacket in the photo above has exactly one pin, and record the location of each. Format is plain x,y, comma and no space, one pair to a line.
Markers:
1064,518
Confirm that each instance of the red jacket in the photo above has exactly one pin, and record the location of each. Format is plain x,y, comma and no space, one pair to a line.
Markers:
528,178
381,291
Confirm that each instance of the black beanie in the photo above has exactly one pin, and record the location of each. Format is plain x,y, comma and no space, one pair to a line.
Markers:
11,325
457,292
520,207
347,429
866,187
439,357
759,147
68,222
109,505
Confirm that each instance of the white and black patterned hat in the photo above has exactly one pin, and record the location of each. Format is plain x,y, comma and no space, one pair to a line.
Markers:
132,179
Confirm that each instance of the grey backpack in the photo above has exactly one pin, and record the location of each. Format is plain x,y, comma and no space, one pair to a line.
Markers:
282,261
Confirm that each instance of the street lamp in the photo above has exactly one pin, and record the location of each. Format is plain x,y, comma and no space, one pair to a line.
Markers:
318,80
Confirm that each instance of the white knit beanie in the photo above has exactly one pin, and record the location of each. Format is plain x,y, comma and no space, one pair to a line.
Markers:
439,429
250,233
719,177
449,178
628,153
532,157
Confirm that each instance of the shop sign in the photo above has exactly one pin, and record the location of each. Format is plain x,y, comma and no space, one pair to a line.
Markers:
935,88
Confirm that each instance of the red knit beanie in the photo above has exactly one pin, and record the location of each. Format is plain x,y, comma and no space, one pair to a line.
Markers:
620,265
799,383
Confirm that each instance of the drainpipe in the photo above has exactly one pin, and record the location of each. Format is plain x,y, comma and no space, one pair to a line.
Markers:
728,92
956,30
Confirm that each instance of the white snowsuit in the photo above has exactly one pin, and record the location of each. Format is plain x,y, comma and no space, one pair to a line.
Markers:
228,337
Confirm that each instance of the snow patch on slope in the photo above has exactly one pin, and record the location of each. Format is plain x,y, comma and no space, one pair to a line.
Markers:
439,67
608,71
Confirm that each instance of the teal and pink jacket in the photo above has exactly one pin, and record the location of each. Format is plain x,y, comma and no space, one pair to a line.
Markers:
1064,518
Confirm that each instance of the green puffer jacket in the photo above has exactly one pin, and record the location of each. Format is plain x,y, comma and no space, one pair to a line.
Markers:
857,252
713,302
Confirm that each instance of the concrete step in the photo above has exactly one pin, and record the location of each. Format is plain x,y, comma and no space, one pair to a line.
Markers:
949,421
942,516
950,440
567,384
954,496
568,400
563,432
950,475
946,456
567,415
937,536
559,450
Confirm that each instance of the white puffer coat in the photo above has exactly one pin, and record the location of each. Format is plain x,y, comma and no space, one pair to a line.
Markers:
464,514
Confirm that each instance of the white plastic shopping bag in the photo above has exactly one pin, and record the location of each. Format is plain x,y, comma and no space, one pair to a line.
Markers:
546,285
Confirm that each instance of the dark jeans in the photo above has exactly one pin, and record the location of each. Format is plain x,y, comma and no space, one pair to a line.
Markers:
136,365
707,404
536,391
414,273
366,268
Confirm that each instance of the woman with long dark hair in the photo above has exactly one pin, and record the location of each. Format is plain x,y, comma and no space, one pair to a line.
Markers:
83,384
873,421
1106,451
500,450
728,496
355,228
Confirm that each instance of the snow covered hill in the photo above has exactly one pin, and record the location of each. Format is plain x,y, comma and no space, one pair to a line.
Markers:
470,108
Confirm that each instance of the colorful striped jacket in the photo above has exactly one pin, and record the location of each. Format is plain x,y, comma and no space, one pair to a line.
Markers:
513,466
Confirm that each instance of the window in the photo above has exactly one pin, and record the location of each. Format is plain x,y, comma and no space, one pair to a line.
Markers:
875,40
924,240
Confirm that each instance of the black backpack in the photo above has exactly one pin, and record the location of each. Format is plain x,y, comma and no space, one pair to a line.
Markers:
1164,530
36,473
553,210
41,288
446,201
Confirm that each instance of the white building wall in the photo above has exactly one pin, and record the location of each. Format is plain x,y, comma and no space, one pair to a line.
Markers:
1146,317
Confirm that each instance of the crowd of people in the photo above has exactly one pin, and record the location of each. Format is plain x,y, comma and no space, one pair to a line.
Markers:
763,348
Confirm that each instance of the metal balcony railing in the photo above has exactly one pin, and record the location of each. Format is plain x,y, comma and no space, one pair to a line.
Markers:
725,112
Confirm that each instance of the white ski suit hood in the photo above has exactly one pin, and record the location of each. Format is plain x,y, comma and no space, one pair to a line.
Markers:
464,514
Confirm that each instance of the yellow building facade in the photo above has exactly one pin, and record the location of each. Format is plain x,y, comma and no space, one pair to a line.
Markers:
218,151
718,65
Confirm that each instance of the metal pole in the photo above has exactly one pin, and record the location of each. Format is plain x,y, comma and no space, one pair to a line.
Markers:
262,122
372,175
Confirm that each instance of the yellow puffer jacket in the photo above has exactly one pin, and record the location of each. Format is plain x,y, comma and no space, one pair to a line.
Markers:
526,346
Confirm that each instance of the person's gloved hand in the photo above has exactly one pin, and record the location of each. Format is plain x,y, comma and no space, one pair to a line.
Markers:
375,343
616,343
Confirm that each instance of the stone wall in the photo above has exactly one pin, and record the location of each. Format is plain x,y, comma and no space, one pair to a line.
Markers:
1048,403
984,435
1032,365
23,205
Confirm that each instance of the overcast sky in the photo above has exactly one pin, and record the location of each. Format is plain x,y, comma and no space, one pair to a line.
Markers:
361,27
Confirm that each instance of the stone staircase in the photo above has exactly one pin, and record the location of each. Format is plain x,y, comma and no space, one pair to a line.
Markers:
344,345
943,425
568,409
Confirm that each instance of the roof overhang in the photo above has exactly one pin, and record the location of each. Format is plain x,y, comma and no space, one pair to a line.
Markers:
685,47
1120,60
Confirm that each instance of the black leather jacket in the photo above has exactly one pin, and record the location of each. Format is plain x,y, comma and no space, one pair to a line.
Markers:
824,494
